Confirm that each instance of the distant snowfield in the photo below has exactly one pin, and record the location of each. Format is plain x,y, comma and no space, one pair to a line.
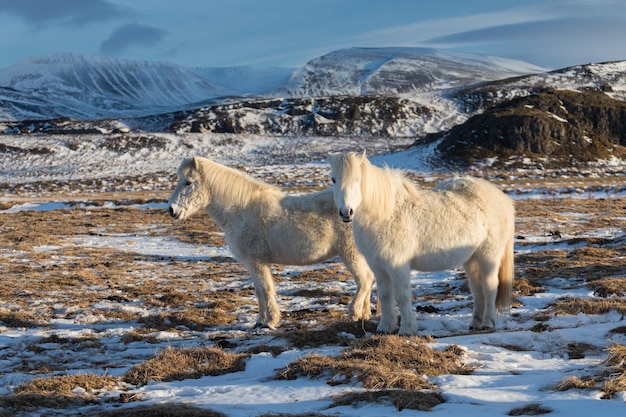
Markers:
149,161
100,163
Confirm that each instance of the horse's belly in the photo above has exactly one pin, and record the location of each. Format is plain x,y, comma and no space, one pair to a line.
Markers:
440,260
416,254
302,257
303,251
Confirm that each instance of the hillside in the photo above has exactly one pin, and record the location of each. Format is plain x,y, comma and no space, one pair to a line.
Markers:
564,127
379,116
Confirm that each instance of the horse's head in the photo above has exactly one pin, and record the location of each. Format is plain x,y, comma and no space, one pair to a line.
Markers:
346,176
190,194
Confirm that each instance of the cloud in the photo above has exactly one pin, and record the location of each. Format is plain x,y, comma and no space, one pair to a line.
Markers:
560,41
131,35
76,12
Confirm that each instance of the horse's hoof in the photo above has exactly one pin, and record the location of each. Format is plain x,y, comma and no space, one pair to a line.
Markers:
483,329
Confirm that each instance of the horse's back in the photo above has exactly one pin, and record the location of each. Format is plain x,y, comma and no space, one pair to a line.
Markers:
478,190
320,203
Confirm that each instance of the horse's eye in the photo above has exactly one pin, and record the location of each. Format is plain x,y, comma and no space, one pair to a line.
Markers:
188,183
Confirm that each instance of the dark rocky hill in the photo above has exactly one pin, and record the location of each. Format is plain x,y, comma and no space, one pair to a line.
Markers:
385,116
560,126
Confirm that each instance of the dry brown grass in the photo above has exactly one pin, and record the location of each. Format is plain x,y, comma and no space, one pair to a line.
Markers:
610,377
177,364
382,362
608,287
616,370
193,318
573,306
58,391
42,268
331,333
401,399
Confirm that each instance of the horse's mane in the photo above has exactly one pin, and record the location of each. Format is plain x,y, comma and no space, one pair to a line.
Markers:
230,184
380,186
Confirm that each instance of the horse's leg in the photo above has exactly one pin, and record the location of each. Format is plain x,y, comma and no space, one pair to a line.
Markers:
401,281
483,274
269,313
384,288
360,307
472,270
489,269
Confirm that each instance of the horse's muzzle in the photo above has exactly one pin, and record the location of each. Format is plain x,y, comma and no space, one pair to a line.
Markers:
171,212
346,215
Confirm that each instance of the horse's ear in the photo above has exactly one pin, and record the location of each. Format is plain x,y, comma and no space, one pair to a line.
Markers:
196,162
364,153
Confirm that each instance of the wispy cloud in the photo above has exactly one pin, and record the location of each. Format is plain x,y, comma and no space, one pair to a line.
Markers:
75,12
556,41
132,35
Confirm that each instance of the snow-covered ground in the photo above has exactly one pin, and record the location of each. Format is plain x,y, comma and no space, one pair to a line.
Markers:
505,378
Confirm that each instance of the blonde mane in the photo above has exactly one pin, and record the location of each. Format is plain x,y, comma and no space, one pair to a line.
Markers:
228,184
379,186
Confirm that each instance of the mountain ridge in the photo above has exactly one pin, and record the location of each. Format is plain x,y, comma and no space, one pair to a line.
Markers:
83,87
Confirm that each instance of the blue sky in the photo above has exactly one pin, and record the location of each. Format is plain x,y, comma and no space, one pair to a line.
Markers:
215,33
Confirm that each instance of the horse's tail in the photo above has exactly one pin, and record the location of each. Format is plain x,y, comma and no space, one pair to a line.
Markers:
505,277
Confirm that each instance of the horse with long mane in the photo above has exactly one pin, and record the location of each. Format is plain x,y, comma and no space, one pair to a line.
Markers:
399,227
263,225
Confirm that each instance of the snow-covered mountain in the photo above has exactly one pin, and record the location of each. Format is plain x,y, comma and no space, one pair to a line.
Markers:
357,71
82,87
365,92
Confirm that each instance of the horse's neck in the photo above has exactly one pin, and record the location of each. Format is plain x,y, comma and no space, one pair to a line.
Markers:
231,192
381,190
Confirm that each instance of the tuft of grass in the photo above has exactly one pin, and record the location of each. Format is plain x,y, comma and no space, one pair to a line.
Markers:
334,333
608,287
611,380
529,410
380,362
573,306
574,382
524,287
189,363
616,366
20,319
58,391
401,399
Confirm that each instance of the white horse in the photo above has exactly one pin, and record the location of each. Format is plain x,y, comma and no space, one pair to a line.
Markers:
263,225
399,228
